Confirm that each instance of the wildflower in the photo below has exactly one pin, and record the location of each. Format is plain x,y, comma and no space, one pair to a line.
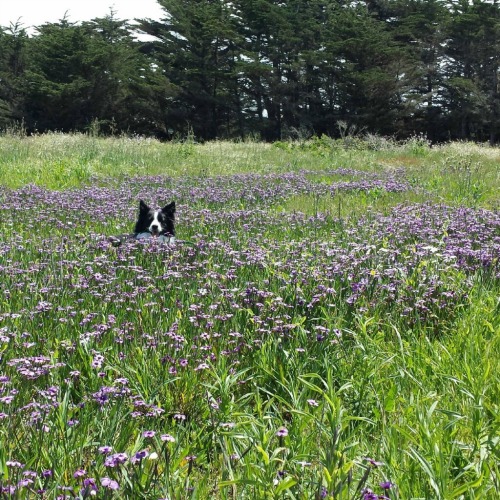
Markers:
386,485
24,482
14,463
312,402
89,487
201,366
80,473
116,459
369,495
168,438
109,483
148,434
373,462
104,450
282,432
139,456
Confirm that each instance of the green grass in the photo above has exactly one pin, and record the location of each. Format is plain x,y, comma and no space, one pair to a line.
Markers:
278,314
461,173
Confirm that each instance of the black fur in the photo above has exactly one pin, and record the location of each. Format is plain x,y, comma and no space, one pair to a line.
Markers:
166,219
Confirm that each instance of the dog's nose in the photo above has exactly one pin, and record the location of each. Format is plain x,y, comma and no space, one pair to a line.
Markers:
154,228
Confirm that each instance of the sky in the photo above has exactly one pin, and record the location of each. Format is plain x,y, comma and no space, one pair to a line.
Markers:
36,12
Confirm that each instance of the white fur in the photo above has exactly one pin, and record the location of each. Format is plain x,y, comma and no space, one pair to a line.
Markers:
156,222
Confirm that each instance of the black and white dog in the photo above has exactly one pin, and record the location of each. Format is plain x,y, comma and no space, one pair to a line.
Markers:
158,224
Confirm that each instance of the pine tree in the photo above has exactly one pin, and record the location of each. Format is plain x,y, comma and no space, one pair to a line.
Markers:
472,73
94,71
13,48
197,46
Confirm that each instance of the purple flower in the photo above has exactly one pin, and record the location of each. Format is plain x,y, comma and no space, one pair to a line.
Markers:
386,485
148,434
369,495
202,366
89,486
80,473
373,462
282,432
24,482
168,438
14,463
140,455
116,459
109,483
104,450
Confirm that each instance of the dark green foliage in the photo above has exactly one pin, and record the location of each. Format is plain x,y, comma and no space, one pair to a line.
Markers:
93,71
13,42
266,68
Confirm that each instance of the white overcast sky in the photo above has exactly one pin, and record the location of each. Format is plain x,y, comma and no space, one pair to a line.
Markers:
36,12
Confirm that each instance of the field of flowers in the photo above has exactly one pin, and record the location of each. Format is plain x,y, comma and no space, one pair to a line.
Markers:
273,352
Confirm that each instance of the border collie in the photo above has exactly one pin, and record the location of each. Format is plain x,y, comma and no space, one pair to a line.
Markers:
156,223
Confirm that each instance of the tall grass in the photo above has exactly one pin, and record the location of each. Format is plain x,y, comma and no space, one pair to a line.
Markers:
328,325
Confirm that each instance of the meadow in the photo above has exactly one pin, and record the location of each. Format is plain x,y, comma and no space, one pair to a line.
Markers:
327,326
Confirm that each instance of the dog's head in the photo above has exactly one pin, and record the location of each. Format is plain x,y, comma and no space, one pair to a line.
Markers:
156,222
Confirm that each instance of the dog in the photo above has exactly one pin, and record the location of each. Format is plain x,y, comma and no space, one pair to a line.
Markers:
157,224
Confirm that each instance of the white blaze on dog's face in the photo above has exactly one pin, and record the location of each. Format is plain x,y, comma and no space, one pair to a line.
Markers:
155,228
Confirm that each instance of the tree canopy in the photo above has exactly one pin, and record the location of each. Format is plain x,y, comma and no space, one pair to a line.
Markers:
266,68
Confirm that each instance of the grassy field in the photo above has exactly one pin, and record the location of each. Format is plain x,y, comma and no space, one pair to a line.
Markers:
328,325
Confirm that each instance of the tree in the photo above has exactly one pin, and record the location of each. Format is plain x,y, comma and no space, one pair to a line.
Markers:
418,27
13,47
80,73
473,68
197,46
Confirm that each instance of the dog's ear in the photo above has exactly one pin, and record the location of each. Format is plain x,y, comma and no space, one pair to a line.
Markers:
170,208
143,207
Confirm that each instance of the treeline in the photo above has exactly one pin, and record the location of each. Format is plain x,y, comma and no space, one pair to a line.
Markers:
270,69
